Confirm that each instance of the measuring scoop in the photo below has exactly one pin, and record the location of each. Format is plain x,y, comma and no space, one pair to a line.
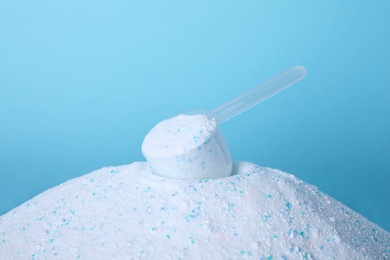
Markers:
191,146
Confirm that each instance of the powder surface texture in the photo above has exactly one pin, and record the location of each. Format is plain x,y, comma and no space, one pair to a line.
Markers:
127,212
178,135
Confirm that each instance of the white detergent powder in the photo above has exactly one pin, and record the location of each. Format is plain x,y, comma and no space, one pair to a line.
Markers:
188,147
178,135
128,212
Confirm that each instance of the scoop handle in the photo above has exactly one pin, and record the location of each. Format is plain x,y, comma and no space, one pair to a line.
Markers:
258,94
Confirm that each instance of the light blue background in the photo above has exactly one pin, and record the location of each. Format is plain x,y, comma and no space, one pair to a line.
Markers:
82,82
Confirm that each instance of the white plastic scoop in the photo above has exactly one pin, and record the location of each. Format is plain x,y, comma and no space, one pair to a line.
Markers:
191,146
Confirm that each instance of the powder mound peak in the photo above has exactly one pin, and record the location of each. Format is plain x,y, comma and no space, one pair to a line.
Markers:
126,211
